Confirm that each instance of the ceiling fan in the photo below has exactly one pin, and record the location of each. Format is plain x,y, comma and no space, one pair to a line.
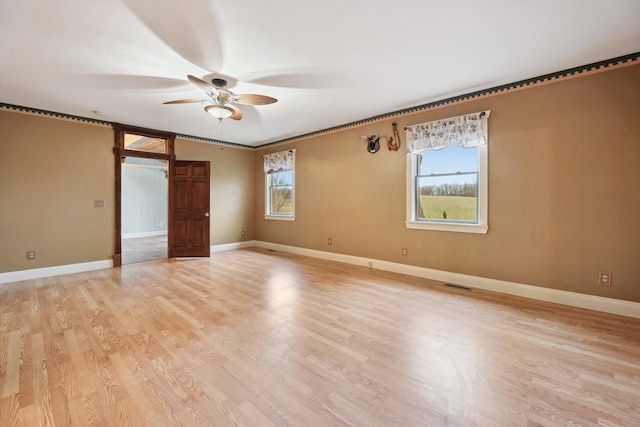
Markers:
222,99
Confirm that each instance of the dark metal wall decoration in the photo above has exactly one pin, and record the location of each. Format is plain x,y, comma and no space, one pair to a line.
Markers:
393,142
373,143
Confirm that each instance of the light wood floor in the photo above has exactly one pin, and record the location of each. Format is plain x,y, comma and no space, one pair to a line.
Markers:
141,249
251,337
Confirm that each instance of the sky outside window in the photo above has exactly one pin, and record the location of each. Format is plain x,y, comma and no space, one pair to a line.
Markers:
449,160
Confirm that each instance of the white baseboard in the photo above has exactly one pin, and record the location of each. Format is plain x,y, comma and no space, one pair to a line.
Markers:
574,299
144,234
58,270
231,246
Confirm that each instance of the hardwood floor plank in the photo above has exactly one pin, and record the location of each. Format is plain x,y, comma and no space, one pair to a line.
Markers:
78,412
9,410
114,400
145,403
88,298
259,338
81,370
173,309
122,318
251,416
11,381
25,388
44,406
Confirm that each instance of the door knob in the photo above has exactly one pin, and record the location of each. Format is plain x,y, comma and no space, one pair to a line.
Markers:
206,214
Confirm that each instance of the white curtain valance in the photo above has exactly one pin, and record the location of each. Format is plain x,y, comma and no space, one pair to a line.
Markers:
282,160
466,131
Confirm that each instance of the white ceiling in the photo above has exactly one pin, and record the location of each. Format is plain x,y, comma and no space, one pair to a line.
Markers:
328,62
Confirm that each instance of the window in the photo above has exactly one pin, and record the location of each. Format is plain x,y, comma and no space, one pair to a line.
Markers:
447,174
144,143
279,169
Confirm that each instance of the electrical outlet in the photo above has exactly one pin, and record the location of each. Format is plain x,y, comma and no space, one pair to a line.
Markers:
31,255
329,241
405,251
370,264
242,233
604,279
98,203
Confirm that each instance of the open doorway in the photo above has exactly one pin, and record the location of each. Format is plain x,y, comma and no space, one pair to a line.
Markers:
142,163
144,209
186,202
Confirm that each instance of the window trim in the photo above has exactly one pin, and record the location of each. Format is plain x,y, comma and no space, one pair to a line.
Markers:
482,227
267,195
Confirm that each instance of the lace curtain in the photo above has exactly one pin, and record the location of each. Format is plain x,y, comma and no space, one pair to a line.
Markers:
466,131
282,160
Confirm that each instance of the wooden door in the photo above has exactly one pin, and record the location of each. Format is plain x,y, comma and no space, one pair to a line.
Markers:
189,209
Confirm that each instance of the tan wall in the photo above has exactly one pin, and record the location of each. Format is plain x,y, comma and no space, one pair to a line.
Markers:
564,192
51,171
232,194
563,198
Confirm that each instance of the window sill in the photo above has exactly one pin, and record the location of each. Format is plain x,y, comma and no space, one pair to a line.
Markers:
457,228
280,217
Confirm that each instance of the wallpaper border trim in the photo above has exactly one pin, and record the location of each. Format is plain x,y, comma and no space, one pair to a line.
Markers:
522,84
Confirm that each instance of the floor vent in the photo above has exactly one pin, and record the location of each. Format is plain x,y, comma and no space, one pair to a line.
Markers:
464,288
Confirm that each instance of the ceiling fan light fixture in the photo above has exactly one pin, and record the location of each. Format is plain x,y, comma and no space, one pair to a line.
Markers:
223,101
219,111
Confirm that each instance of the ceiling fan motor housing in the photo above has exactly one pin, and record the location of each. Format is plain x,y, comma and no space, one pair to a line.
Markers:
219,82
222,99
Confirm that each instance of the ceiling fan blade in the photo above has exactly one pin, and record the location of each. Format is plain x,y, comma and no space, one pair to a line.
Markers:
303,78
253,99
106,81
238,112
193,33
203,85
184,101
